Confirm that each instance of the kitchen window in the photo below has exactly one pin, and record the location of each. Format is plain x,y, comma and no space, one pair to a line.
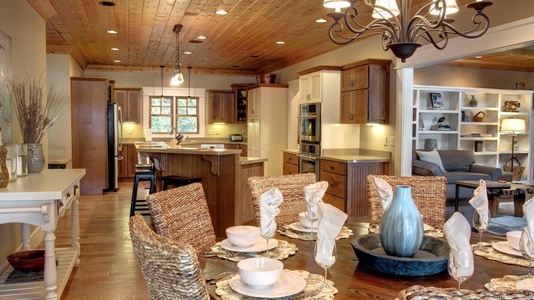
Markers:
177,112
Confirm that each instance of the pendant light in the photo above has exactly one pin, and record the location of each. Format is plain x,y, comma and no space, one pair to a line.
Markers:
189,83
178,77
162,97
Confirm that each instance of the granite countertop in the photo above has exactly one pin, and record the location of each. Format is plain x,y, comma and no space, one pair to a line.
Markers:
162,147
192,141
350,159
350,155
251,160
292,151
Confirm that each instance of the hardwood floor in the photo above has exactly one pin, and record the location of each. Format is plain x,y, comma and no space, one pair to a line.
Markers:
108,267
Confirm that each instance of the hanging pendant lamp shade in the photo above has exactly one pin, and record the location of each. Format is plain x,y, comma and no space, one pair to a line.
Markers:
451,8
178,77
189,83
391,5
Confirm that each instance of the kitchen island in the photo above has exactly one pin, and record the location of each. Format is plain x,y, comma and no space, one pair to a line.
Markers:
224,179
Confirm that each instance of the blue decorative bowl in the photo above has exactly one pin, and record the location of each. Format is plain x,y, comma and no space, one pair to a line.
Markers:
431,258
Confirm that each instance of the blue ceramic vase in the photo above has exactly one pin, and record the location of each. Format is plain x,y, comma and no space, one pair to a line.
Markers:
401,228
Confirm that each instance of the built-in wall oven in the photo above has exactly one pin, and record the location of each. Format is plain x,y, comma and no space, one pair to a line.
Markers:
310,122
309,161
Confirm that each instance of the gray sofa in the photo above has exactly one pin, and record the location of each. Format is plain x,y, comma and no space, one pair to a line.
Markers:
459,165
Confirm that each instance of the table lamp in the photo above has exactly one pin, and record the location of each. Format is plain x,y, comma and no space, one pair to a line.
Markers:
512,126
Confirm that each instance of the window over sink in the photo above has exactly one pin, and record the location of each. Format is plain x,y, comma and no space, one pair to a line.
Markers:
174,112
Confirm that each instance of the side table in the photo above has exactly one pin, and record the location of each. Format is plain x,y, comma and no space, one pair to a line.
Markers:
493,188
40,199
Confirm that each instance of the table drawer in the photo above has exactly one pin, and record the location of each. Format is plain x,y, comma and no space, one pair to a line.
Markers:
336,183
290,169
335,201
291,158
333,166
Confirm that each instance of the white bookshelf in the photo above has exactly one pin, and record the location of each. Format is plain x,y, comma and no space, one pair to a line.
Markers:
495,147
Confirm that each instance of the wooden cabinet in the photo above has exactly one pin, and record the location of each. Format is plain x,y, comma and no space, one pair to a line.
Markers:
89,132
128,161
290,164
240,99
221,108
129,99
365,92
310,87
241,147
267,124
347,189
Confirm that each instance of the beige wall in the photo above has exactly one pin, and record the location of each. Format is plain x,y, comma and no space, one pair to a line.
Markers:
28,59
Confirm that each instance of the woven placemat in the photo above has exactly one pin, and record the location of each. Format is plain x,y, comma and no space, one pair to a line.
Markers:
314,284
306,236
17,276
282,251
418,292
492,254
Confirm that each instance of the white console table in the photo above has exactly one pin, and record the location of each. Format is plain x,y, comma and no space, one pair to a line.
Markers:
41,199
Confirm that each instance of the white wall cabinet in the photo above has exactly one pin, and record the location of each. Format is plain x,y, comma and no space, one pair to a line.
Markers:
310,88
267,124
482,134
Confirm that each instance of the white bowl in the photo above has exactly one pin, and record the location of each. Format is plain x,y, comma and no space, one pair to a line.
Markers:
305,222
243,236
513,238
260,272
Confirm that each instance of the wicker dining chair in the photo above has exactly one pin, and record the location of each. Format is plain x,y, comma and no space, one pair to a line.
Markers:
182,214
292,189
171,269
428,193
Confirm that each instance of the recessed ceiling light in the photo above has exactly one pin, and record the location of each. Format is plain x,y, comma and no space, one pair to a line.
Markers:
188,52
280,42
320,21
117,60
221,12
111,31
115,49
107,3
201,37
479,56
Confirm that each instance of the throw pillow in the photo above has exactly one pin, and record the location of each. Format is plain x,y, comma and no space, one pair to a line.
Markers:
431,157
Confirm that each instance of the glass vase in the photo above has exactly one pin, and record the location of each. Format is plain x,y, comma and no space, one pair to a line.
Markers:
36,160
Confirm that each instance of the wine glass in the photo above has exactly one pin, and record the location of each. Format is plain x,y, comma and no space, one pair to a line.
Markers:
267,235
480,227
311,214
325,253
460,266
526,247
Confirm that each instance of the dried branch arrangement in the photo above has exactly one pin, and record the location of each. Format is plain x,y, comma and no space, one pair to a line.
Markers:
36,108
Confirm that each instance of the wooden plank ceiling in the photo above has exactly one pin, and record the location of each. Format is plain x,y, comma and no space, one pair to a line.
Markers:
241,42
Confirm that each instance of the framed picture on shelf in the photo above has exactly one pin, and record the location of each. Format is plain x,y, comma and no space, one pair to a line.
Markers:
436,101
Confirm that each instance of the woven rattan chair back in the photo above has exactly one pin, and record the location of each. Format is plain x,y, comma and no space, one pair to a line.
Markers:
292,188
182,214
428,193
171,269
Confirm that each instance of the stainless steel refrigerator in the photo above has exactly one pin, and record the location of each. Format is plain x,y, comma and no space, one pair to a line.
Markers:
114,145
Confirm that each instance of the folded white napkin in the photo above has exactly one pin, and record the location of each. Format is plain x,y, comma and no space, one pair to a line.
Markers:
269,202
331,221
458,232
314,194
384,190
480,203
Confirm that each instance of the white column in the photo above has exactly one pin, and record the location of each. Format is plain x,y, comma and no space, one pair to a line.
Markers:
403,127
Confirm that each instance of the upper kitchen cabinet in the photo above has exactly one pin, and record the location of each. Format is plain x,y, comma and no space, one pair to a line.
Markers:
221,108
240,98
365,92
315,83
267,124
129,99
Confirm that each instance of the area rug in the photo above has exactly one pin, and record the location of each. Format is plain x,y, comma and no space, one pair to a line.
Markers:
501,225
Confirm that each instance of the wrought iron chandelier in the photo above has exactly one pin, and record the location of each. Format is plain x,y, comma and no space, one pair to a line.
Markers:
178,77
400,34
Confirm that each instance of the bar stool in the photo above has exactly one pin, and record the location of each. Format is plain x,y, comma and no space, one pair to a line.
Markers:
144,171
178,181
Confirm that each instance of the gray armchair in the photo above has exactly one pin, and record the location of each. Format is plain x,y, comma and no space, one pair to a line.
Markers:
459,165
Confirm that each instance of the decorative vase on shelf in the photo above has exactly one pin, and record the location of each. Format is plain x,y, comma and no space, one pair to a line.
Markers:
473,102
401,228
4,173
36,160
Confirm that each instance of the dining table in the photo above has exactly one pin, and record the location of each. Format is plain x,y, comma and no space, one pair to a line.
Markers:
354,280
